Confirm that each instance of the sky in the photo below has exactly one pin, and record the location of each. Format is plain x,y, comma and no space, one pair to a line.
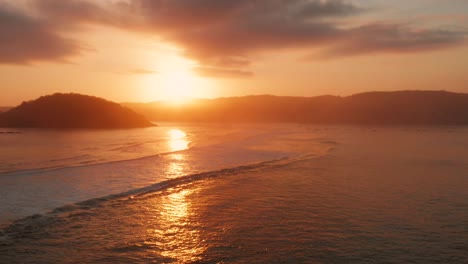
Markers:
150,50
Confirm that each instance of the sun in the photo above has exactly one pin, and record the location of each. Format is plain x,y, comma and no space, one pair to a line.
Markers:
178,86
176,83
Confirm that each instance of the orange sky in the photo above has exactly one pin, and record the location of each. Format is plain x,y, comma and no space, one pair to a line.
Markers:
147,50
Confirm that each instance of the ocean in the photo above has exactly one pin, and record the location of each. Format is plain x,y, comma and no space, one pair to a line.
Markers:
235,193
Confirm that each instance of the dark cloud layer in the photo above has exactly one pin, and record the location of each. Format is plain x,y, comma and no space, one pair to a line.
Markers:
217,31
214,31
327,8
24,40
72,11
223,35
393,38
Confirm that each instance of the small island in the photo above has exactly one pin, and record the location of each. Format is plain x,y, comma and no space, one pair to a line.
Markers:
64,111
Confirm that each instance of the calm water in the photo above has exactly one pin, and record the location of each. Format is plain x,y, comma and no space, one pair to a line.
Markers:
246,194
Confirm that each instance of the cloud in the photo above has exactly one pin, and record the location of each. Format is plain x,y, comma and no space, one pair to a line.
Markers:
224,30
24,40
222,72
392,38
327,8
224,36
73,12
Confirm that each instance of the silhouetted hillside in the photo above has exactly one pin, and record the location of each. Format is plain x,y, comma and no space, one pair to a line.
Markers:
72,111
403,107
4,108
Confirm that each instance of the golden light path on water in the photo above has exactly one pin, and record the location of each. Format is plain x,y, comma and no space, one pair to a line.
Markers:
177,165
177,140
175,235
178,239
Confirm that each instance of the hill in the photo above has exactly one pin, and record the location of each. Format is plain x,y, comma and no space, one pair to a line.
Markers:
385,108
4,108
72,111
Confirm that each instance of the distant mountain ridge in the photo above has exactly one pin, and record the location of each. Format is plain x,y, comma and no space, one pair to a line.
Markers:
384,108
72,111
371,108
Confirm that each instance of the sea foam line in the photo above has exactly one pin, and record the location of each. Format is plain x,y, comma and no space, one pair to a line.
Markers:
154,189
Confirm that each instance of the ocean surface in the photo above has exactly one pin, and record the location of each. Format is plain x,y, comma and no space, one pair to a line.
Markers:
218,193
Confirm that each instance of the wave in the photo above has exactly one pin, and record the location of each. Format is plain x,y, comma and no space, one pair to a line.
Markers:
71,158
80,164
154,189
88,163
9,132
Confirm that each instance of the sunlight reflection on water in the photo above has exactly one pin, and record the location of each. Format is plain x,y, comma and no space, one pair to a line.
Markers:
175,237
177,140
177,165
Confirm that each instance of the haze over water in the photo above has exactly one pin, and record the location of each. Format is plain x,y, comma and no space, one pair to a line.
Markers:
247,194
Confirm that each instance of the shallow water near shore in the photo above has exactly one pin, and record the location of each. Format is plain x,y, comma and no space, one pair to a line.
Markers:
281,194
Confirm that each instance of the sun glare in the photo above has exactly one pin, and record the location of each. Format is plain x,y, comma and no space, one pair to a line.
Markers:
177,140
176,83
175,134
179,86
